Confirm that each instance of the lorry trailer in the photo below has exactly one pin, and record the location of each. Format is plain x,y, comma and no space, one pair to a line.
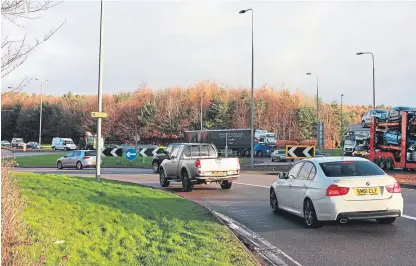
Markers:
235,140
387,155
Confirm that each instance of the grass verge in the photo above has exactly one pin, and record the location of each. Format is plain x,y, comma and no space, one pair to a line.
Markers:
49,160
78,221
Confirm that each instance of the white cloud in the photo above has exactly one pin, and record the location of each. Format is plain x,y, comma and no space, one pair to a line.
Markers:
179,43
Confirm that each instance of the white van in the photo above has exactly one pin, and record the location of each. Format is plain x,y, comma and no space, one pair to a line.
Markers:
65,144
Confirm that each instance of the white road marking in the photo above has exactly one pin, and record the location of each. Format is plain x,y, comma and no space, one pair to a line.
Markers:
409,217
244,184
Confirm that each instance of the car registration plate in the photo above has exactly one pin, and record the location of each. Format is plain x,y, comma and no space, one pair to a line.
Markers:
218,173
367,191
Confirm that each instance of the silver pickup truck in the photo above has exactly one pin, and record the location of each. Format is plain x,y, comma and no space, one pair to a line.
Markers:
198,164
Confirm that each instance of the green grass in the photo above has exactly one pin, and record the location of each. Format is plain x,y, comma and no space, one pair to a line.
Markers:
49,160
114,223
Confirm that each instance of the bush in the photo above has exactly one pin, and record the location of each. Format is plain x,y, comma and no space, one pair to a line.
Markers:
12,232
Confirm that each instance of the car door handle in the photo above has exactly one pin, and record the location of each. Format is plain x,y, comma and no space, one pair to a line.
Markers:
305,185
290,185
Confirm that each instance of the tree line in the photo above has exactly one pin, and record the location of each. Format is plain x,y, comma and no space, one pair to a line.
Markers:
162,115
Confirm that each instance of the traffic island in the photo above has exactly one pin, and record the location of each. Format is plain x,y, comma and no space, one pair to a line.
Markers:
49,161
76,221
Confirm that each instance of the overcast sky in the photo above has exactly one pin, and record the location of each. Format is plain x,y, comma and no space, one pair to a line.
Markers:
180,43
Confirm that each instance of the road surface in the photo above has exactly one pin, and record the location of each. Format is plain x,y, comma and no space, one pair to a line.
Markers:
357,243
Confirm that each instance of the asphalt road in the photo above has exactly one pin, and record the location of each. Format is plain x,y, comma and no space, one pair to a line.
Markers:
8,153
357,243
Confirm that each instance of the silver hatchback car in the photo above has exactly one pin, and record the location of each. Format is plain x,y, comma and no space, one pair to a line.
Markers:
78,159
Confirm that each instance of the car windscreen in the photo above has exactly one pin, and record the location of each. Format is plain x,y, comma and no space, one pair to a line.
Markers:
170,147
360,148
405,108
90,153
282,152
350,169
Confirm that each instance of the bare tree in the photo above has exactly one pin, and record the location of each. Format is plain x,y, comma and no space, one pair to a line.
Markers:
15,51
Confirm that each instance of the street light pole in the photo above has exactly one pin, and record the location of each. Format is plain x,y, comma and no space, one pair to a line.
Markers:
202,94
252,85
100,99
342,123
374,78
318,144
41,110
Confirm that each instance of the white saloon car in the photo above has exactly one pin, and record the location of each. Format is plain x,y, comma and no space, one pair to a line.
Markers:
337,189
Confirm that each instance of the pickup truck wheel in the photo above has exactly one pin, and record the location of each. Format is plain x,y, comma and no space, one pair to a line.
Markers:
155,167
226,184
162,179
186,183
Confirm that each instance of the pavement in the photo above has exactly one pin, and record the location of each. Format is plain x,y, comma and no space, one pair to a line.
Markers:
247,202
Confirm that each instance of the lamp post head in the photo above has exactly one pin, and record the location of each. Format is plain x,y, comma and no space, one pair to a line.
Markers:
342,95
245,10
359,53
308,73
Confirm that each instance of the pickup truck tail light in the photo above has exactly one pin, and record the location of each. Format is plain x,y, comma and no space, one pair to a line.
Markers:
86,157
198,163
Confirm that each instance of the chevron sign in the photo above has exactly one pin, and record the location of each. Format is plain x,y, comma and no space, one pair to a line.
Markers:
115,152
146,152
299,152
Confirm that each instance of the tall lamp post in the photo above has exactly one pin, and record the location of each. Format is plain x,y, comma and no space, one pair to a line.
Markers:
374,81
318,144
202,95
252,84
100,97
342,124
41,110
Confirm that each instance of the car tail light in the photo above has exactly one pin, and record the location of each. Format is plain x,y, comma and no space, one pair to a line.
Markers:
238,159
395,188
334,190
198,163
86,157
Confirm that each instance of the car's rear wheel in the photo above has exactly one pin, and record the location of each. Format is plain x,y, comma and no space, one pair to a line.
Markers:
186,183
155,167
389,220
273,201
162,178
79,165
226,184
311,221
59,165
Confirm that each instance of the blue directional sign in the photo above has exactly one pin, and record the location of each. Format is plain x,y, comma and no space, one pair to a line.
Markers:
130,154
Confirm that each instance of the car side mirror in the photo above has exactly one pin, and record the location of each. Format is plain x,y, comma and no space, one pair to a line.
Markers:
282,175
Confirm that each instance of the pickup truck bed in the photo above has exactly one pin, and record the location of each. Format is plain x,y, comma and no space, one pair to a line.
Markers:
198,164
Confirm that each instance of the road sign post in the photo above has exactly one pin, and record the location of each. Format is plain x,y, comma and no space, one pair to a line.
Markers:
136,139
300,151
